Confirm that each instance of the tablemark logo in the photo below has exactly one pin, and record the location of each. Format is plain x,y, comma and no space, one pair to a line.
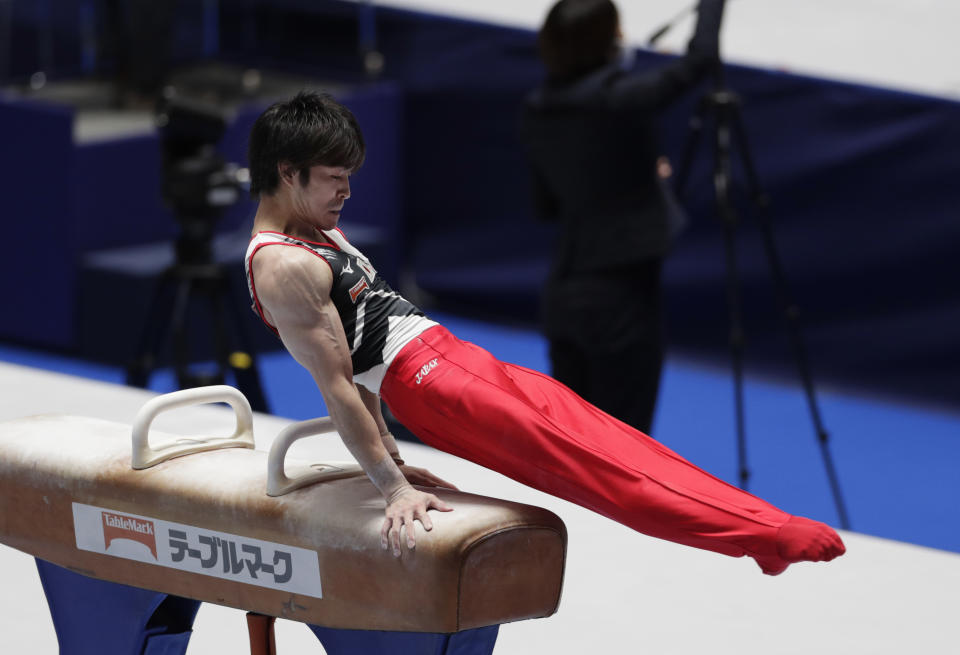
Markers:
118,526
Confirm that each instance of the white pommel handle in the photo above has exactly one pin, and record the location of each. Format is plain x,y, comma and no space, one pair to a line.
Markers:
278,483
144,456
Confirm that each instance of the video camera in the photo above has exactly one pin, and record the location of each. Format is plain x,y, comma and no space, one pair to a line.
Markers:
198,182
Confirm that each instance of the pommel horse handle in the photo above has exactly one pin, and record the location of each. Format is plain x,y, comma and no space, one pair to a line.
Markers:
144,456
278,483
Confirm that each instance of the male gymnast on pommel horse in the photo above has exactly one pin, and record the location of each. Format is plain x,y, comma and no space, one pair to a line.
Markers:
362,341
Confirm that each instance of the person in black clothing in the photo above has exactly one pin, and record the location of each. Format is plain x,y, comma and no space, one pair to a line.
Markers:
590,132
138,37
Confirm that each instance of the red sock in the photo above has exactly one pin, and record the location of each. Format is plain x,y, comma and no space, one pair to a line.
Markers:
802,540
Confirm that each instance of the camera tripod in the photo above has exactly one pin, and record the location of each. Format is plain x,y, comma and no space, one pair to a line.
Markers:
195,273
723,106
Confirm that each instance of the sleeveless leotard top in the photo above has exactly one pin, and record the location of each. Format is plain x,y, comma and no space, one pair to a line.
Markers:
378,322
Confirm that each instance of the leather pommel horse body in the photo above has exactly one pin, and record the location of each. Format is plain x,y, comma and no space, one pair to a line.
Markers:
192,517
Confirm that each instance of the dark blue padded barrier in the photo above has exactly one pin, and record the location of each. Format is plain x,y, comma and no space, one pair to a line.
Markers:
118,197
124,278
72,291
862,183
60,38
863,209
93,617
38,266
117,287
88,196
865,217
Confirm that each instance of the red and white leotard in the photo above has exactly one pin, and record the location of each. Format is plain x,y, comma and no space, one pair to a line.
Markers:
377,321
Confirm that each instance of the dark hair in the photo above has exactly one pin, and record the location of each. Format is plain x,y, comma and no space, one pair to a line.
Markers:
310,129
577,37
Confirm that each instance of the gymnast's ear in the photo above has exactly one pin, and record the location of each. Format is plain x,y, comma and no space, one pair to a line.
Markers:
287,173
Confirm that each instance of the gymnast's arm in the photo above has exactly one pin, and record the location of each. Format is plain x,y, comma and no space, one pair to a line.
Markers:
413,474
293,287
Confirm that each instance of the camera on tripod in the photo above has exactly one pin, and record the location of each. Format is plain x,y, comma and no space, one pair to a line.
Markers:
198,183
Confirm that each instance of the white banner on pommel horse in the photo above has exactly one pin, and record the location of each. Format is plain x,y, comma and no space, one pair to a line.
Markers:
197,550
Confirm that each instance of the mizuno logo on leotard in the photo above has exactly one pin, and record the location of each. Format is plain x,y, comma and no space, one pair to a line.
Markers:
425,370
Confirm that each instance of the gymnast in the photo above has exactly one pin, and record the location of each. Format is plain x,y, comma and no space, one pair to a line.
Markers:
362,341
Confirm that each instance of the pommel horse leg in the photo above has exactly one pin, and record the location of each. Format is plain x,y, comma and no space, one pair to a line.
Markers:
92,617
263,640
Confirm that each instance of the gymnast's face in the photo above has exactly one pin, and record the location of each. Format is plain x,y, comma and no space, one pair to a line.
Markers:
318,195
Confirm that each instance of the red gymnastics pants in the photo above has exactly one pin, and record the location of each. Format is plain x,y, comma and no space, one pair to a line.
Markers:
460,399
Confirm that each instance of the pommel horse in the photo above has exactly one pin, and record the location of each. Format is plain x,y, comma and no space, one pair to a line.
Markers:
174,521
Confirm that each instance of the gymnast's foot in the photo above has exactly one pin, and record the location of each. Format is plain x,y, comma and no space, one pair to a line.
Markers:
802,540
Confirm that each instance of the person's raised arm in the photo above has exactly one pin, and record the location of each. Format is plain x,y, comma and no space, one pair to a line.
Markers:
293,287
706,36
656,88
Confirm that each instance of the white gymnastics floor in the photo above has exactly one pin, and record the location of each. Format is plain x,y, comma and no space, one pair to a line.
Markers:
899,44
623,592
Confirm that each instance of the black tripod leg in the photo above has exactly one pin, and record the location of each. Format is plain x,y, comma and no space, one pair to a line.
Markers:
689,148
791,313
221,346
153,334
722,176
178,323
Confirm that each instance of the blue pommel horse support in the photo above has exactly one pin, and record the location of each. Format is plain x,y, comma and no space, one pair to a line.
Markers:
129,541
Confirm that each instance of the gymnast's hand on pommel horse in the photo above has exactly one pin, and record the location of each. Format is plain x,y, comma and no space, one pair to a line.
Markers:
360,339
